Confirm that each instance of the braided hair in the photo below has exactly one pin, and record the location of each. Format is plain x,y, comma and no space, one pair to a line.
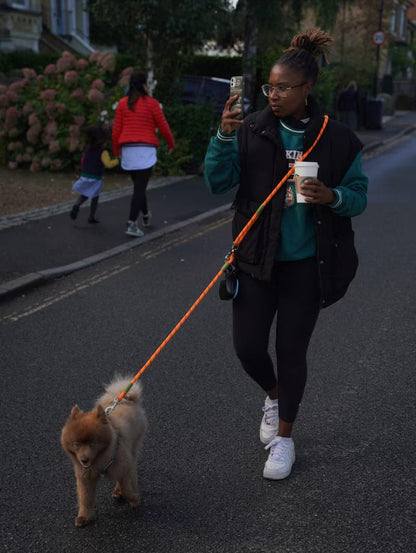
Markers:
303,52
136,88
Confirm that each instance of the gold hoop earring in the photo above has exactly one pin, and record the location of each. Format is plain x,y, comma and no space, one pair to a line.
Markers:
306,101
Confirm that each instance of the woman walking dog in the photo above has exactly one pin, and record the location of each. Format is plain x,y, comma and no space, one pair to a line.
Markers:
299,257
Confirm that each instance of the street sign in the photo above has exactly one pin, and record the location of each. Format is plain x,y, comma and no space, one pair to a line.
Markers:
379,37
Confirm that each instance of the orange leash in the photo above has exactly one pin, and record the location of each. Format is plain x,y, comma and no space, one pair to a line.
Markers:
229,259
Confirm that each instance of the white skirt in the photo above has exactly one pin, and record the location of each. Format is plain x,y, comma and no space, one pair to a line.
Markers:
88,187
137,156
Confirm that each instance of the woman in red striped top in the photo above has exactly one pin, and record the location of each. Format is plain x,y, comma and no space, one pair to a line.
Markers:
134,138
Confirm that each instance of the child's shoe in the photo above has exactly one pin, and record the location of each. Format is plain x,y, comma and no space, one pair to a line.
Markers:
74,211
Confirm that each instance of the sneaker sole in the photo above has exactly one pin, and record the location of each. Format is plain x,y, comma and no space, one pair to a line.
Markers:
134,234
270,475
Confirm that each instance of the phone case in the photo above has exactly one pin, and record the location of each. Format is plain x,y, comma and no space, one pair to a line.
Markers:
237,87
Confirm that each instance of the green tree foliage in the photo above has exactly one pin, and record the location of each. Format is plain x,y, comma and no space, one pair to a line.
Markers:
157,31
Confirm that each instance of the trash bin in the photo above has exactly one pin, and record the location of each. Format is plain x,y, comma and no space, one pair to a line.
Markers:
374,113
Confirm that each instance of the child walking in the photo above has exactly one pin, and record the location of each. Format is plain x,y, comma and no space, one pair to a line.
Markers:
95,159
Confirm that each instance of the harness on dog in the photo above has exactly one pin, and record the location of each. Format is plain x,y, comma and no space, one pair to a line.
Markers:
229,258
113,458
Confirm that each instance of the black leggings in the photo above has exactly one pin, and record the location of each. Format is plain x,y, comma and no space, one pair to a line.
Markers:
293,293
93,204
138,203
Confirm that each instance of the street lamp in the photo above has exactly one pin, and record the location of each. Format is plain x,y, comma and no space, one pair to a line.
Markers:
378,39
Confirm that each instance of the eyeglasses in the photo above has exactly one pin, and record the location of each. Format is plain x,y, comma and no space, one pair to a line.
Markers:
279,89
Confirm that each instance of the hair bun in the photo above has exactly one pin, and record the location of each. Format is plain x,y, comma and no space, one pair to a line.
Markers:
314,41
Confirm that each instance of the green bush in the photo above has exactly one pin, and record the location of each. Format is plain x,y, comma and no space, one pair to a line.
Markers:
21,59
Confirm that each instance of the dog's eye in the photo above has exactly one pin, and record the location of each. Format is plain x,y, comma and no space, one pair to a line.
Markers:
76,445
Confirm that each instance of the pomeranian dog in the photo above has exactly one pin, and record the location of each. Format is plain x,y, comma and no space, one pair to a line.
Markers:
100,444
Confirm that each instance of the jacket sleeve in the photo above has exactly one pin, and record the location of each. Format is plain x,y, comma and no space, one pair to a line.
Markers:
117,127
222,163
162,125
107,161
352,192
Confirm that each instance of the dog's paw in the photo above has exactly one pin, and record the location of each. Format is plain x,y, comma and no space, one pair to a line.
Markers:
81,521
134,502
117,492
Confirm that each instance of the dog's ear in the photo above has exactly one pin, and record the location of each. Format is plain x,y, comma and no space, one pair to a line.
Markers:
75,411
101,414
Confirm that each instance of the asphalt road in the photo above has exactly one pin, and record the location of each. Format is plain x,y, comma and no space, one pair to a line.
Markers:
352,489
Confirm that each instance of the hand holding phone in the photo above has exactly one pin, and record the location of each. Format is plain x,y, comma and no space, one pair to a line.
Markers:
232,114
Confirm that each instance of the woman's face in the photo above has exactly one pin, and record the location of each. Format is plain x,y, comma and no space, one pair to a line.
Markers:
292,102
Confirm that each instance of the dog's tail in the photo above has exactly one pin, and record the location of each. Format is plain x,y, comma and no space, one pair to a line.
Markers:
120,383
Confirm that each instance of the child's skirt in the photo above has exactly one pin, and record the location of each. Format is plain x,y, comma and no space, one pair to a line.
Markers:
88,187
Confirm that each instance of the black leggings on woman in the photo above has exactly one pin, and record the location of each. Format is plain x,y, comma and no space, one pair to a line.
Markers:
138,203
293,293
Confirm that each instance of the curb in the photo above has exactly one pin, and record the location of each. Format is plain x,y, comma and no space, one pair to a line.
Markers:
379,143
26,282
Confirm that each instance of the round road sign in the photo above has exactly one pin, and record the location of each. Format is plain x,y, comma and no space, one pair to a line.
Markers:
379,37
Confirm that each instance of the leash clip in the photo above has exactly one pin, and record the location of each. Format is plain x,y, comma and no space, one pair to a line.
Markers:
110,408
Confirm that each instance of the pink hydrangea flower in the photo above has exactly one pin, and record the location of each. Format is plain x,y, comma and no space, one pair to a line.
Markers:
78,94
29,74
33,119
54,146
27,108
4,100
48,95
71,77
63,64
61,107
51,130
3,88
32,134
50,69
95,96
12,96
50,110
98,84
74,131
82,64
107,61
12,117
79,120
12,165
94,57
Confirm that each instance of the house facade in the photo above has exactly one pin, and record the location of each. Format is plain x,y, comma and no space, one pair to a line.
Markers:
44,25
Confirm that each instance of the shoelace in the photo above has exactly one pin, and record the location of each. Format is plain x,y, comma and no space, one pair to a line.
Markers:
270,414
278,448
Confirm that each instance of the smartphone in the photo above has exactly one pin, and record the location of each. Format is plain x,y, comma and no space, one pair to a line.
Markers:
237,87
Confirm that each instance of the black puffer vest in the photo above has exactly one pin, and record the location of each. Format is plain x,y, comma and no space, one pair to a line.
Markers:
263,164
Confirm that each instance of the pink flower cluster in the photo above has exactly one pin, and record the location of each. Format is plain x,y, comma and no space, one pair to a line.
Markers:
42,115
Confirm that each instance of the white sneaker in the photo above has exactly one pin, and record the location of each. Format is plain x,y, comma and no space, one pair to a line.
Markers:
281,458
146,219
133,230
270,422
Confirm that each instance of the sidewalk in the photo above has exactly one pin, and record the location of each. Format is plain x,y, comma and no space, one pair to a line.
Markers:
45,244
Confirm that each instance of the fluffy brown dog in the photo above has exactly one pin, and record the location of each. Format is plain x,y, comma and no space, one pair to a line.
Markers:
104,444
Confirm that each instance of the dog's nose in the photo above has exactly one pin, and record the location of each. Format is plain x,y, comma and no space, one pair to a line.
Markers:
85,460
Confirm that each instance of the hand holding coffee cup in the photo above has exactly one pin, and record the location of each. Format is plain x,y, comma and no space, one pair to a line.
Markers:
308,188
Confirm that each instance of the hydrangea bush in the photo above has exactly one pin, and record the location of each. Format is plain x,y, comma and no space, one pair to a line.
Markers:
42,115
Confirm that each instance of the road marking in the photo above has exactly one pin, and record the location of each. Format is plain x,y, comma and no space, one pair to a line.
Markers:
156,250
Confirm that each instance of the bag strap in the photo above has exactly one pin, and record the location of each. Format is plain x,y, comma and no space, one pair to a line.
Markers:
244,231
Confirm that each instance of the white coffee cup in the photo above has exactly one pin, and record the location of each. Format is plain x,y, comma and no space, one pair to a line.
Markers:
304,170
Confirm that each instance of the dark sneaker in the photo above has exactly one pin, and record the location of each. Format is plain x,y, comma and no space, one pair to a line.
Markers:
74,212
